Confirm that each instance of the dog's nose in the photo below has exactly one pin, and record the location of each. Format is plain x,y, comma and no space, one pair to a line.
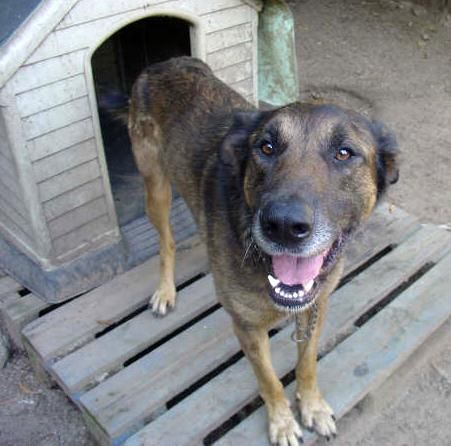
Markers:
286,223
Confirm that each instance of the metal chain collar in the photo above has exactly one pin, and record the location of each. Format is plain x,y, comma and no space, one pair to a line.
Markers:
301,333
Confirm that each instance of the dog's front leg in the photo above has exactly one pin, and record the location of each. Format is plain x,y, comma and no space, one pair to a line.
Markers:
283,428
315,412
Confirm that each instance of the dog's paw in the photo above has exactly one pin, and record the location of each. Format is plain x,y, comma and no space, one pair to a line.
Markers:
283,428
163,300
317,415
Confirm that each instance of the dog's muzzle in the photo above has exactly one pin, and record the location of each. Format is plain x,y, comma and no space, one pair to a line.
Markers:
295,279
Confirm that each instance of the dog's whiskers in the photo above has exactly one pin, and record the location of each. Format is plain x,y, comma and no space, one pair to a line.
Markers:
249,246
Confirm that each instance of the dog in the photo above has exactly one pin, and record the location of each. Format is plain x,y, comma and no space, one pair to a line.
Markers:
275,194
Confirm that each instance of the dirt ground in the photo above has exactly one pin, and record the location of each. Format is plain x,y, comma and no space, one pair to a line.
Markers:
392,60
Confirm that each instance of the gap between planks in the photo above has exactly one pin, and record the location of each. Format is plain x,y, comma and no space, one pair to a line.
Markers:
106,354
78,321
356,367
110,403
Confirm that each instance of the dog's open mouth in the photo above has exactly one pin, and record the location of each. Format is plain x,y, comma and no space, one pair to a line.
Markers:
295,281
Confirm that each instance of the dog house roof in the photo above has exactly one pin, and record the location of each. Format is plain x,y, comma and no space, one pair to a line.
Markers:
25,23
14,12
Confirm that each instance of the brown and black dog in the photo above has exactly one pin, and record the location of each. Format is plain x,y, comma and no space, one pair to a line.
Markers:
275,195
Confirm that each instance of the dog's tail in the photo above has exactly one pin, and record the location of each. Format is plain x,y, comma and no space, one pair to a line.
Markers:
114,104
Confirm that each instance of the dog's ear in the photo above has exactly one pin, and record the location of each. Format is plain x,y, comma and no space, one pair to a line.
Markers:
235,145
387,156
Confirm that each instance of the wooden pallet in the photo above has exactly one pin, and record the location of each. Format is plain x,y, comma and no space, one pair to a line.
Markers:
181,380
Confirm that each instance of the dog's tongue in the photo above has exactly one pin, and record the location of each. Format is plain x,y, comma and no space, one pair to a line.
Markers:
292,270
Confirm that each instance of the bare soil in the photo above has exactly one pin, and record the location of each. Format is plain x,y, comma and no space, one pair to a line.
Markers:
392,61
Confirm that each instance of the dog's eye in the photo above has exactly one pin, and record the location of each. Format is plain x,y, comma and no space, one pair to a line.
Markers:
267,148
343,154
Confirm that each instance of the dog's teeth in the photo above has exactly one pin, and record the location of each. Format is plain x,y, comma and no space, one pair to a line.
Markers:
273,281
277,290
300,293
295,295
308,286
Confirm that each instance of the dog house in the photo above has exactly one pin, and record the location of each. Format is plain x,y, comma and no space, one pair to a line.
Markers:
71,208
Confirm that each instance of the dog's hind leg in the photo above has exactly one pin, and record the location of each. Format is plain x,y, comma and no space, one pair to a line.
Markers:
158,207
145,139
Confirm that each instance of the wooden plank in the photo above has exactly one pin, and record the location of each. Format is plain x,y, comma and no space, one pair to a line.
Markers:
51,95
79,369
74,379
66,181
35,75
121,403
66,159
9,285
222,58
77,322
213,404
19,313
77,217
357,367
388,225
229,37
60,139
74,198
56,117
236,72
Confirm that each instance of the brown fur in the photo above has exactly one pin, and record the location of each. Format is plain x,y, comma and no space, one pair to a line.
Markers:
189,129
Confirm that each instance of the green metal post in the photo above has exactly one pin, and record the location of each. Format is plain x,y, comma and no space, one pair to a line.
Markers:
277,67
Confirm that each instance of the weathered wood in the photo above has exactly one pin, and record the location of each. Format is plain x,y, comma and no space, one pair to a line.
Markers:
18,313
77,322
9,285
106,354
51,95
60,139
360,364
159,376
229,37
74,198
388,226
57,117
213,404
66,181
65,160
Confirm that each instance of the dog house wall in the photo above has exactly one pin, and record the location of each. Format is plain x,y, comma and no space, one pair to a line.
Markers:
55,198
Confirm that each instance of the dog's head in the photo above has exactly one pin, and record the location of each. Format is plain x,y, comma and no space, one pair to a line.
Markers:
309,174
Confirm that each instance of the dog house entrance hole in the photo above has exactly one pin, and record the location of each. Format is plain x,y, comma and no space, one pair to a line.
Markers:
116,65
